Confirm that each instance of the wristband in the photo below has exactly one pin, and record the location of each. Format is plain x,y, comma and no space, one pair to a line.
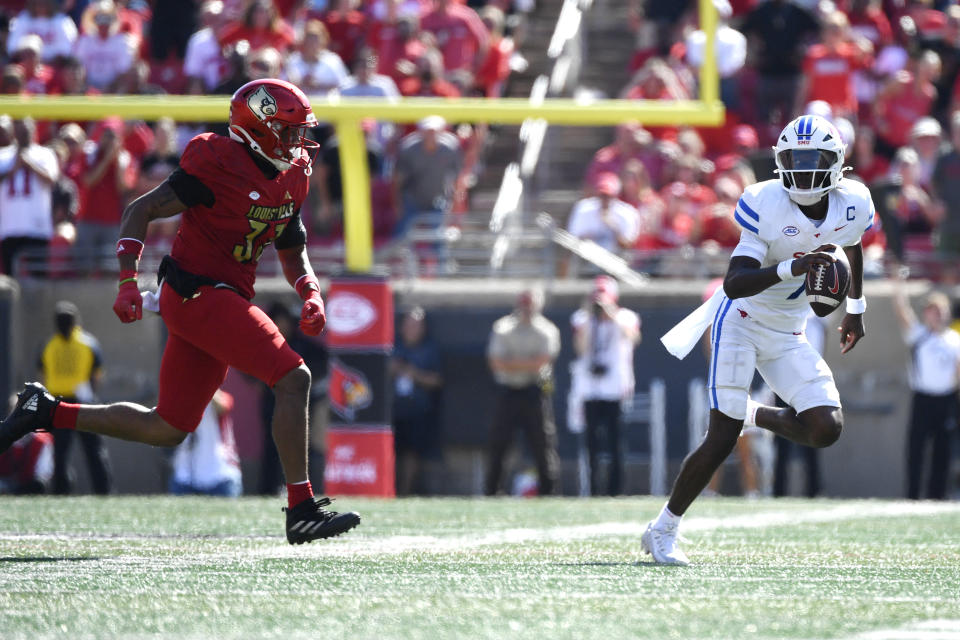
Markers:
129,247
305,281
856,305
785,269
127,275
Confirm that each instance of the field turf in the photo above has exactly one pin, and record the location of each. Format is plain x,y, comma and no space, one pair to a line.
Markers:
160,567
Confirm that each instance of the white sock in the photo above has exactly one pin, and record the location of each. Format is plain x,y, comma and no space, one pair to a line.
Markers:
751,419
666,519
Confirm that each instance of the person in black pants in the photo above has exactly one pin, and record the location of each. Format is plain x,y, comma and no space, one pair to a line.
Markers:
604,336
934,376
70,364
521,352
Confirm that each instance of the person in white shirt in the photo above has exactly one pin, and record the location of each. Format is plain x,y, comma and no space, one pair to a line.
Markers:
314,68
206,462
604,337
731,52
934,375
203,61
608,221
806,218
40,17
28,172
105,52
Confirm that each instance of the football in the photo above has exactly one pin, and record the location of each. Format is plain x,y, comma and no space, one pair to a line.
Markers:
827,286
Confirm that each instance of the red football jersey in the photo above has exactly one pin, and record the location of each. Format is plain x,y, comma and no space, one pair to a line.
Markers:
225,241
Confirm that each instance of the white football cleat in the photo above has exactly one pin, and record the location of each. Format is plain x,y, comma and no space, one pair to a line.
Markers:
661,543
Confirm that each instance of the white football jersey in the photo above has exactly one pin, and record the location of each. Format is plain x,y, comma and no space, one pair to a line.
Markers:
774,229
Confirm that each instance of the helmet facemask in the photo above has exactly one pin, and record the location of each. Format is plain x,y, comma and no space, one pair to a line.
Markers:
808,174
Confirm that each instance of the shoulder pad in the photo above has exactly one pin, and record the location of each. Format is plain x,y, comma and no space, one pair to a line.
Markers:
754,204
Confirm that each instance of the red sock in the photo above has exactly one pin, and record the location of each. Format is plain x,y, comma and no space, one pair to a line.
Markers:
65,415
298,492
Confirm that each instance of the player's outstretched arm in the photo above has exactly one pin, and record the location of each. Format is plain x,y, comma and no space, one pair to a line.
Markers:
746,278
298,272
161,202
851,327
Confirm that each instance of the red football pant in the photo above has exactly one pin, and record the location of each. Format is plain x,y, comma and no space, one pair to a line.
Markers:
208,333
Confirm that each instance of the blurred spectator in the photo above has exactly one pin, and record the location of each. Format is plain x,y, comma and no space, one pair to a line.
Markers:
829,66
327,180
417,380
206,462
904,99
604,337
365,82
236,71
314,68
522,349
656,81
717,226
428,164
946,188
632,142
37,77
604,218
42,18
71,365
72,79
925,139
426,77
907,212
461,36
261,26
27,466
27,174
105,52
779,31
638,192
106,176
13,81
135,81
172,23
730,49
158,163
934,373
347,28
495,68
948,48
203,63
868,165
398,45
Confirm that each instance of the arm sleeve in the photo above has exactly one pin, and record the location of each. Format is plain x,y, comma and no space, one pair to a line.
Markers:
189,189
294,235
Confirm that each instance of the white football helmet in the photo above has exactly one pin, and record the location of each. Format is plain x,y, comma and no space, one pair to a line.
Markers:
809,157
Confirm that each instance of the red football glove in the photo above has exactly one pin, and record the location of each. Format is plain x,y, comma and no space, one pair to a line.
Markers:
312,316
129,303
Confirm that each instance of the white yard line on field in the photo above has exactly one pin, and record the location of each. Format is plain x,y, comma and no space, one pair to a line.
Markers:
925,630
354,544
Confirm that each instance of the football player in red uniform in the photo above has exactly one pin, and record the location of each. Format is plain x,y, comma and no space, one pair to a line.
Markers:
237,195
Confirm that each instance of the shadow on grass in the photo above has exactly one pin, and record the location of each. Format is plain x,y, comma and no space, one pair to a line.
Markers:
48,558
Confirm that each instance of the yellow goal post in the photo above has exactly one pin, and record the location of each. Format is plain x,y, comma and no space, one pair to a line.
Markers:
346,116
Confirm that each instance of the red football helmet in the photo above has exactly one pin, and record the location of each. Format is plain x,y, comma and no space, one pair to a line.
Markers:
272,117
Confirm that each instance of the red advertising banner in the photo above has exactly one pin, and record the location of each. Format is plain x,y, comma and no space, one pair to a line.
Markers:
359,462
360,314
360,457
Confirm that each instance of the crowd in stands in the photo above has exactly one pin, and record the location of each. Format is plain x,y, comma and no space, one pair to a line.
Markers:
377,48
885,72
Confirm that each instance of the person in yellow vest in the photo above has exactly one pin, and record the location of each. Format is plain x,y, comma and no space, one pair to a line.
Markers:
70,364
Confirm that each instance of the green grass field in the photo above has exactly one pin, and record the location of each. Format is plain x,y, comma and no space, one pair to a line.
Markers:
448,568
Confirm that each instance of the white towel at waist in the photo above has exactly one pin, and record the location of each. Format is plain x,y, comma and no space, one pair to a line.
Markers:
680,340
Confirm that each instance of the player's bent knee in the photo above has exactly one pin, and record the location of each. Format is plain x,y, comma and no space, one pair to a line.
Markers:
825,425
295,382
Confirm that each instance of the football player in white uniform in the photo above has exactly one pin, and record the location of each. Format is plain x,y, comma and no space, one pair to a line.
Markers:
789,225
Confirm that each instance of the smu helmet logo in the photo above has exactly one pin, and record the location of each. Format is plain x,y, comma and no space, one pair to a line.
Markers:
262,104
349,390
805,129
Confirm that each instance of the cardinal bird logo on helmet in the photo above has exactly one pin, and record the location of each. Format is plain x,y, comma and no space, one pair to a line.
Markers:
262,103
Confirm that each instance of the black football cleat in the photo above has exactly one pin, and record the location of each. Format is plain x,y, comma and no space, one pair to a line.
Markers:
308,520
33,412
